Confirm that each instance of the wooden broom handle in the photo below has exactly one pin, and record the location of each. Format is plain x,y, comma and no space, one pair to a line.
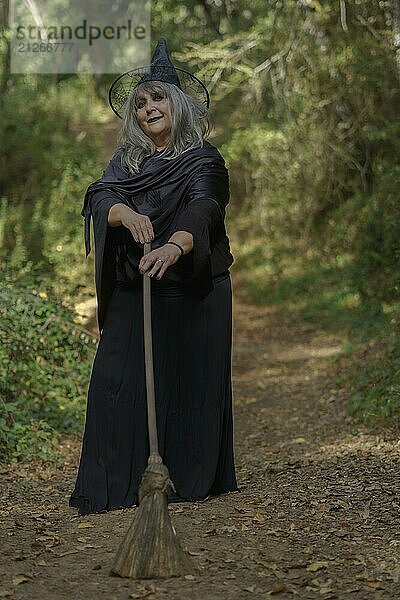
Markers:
148,356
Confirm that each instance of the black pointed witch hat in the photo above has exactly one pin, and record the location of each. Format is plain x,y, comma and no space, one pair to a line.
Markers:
160,69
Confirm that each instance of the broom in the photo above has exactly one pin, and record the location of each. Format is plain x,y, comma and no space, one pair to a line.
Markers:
150,548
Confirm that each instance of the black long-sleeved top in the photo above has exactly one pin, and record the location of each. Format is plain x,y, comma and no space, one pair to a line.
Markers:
187,193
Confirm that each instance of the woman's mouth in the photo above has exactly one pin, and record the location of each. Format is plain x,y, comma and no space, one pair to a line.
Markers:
154,119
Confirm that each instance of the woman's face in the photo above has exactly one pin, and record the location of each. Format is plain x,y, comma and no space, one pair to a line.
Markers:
154,115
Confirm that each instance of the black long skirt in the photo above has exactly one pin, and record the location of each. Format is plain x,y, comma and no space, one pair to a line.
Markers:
193,389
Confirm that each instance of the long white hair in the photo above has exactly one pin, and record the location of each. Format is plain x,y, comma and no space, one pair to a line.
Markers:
189,125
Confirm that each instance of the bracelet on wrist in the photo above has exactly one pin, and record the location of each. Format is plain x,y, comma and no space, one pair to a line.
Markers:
177,245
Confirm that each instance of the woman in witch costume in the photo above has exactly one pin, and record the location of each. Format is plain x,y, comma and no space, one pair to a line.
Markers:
167,185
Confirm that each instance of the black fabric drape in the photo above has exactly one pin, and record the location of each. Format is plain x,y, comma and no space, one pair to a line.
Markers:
193,391
188,193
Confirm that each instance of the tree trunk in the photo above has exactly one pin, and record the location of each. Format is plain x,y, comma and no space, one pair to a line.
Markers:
395,6
5,68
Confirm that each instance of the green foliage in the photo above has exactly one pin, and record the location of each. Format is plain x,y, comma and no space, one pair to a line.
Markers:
376,385
45,361
52,154
314,157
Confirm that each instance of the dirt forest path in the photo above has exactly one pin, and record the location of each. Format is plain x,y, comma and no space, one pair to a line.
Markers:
317,515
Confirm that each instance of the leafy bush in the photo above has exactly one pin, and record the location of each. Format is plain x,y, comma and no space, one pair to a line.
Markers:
375,397
45,361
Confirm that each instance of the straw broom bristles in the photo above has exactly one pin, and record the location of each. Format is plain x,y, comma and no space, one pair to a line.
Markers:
151,548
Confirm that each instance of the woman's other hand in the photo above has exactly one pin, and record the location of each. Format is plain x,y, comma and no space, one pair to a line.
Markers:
139,225
157,261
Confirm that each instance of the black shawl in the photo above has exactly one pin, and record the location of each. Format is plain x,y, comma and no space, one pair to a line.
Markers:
187,193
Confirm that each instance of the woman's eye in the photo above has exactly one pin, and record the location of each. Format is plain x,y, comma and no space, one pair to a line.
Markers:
158,97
